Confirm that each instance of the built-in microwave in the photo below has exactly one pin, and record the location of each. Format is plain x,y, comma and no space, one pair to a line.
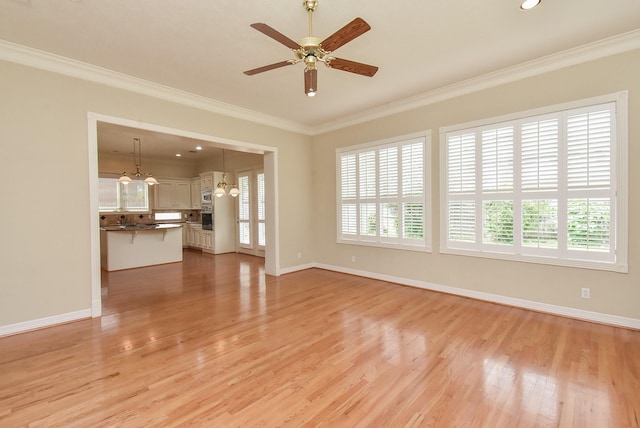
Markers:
207,197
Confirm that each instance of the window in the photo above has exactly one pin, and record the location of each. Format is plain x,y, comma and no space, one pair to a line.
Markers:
251,210
547,187
262,232
383,193
175,215
117,197
244,212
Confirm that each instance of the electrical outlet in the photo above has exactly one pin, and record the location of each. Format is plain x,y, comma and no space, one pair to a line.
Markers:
586,293
353,259
299,254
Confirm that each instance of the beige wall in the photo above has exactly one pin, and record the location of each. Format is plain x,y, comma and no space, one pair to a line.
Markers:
45,259
611,293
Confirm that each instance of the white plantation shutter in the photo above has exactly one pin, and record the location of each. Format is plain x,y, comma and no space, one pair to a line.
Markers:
540,223
367,175
413,169
368,219
589,149
497,159
388,173
382,194
244,215
540,186
462,221
348,176
262,230
589,158
349,220
539,147
461,185
461,163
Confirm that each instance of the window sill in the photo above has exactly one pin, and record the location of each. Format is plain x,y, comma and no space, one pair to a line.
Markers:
582,264
387,245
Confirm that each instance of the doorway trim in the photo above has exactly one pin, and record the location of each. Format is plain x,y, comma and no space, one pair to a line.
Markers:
270,163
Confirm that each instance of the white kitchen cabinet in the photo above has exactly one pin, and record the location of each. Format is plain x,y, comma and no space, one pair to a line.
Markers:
173,194
194,235
207,241
206,181
196,194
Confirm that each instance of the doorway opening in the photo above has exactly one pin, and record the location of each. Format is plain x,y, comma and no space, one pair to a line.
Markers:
270,154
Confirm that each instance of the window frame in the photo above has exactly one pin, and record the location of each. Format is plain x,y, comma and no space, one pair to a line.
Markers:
618,184
121,199
422,245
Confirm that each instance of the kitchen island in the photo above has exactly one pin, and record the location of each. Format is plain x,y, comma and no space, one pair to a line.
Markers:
126,247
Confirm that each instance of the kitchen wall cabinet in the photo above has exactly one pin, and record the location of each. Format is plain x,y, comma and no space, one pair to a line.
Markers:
173,194
196,194
206,181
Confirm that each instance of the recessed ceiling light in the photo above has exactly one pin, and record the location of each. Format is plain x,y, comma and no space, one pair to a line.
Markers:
529,4
178,155
198,147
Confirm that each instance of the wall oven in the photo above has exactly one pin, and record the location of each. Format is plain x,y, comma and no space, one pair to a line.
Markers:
207,216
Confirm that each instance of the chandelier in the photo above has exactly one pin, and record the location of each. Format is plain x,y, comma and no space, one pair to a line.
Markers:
221,188
137,160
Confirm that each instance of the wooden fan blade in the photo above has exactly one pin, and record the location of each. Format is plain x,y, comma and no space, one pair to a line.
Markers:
355,28
267,68
275,35
353,67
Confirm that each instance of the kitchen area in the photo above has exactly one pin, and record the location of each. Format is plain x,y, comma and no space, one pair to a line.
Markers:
189,202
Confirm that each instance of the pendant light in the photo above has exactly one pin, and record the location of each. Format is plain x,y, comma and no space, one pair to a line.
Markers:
221,188
137,160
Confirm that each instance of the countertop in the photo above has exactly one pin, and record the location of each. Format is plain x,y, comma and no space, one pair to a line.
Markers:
135,227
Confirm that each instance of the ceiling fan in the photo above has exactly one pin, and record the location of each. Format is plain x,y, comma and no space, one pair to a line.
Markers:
312,50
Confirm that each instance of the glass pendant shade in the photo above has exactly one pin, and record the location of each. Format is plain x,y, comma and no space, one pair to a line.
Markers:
124,178
219,192
234,191
150,180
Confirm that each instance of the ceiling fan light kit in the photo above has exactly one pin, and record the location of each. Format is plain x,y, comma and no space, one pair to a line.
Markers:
312,50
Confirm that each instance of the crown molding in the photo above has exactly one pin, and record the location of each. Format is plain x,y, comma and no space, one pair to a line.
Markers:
589,52
58,64
69,67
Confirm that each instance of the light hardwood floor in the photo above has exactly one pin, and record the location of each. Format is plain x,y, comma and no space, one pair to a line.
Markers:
212,342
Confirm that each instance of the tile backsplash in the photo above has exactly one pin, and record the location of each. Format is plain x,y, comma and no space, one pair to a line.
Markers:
110,219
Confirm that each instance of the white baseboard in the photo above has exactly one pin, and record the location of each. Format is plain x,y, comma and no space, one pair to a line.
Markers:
22,327
296,268
488,297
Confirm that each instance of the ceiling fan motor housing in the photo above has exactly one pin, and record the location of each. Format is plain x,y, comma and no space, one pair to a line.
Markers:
310,5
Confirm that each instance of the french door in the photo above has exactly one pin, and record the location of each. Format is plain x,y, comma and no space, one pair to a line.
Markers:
251,213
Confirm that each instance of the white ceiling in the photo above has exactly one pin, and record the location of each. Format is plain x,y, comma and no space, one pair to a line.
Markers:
203,46
117,139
